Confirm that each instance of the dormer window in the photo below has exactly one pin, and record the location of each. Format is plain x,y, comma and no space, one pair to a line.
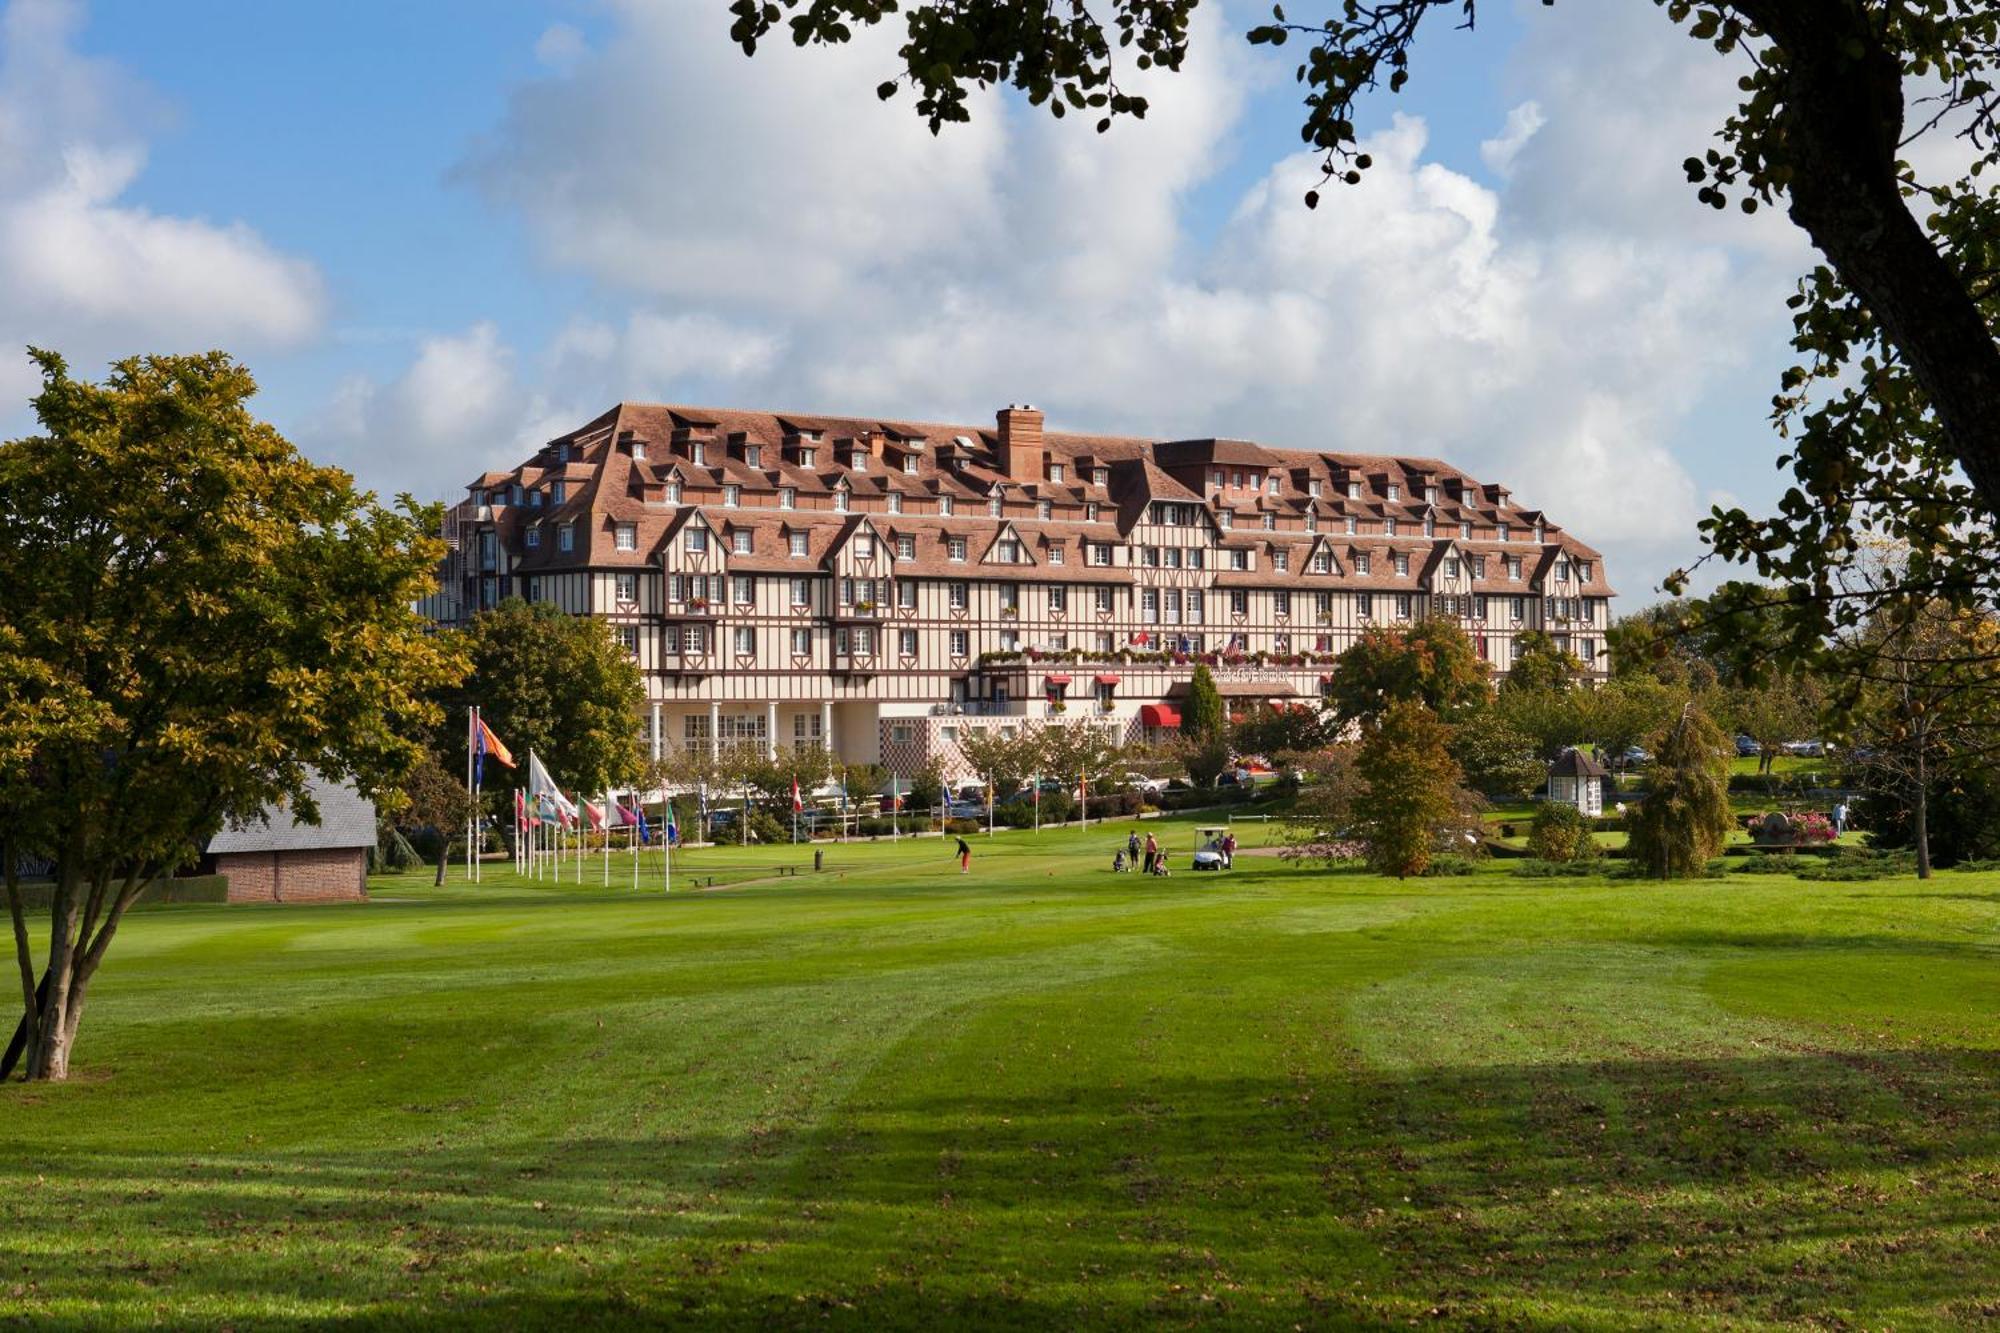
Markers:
557,492
906,548
731,496
1451,567
1430,494
1312,522
1402,564
1100,476
911,462
1056,554
945,505
695,541
795,542
562,453
840,501
895,502
858,460
1362,563
1270,522
1541,534
673,492
627,536
1323,564
1395,492
1281,561
1271,484
1239,560
993,506
955,548
566,537
1008,551
753,454
1225,518
1057,472
1583,571
698,454
1090,512
1354,490
1043,509
1388,527
806,457
1465,532
533,535
739,541
1504,532
1430,526
1312,488
1352,525
788,497
1562,571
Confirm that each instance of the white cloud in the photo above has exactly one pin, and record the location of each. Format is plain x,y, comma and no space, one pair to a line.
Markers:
561,47
1499,153
93,276
784,239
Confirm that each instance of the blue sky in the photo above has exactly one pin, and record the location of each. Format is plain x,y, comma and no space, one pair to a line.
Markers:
440,232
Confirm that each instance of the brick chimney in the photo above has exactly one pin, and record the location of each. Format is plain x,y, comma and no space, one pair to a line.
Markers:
1022,456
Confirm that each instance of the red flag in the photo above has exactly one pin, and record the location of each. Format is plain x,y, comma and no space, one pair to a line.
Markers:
797,804
596,817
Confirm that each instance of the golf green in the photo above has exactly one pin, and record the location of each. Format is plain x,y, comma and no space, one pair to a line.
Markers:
1039,1094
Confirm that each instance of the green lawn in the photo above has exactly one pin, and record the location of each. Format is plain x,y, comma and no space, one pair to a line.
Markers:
1039,1095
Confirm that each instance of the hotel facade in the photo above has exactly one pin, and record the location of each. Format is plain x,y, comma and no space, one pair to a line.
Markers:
886,587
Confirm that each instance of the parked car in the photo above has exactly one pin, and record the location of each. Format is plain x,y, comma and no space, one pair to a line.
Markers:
1634,754
1144,785
1746,747
1805,749
965,809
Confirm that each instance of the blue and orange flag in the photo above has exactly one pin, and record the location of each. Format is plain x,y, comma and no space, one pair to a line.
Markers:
484,742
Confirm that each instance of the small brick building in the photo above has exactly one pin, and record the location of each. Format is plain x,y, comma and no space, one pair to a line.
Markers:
279,859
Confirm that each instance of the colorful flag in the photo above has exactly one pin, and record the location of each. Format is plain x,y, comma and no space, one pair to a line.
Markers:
484,742
673,826
595,816
645,830
797,804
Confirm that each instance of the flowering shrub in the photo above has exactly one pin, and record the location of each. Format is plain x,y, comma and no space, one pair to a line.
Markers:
1810,829
1813,828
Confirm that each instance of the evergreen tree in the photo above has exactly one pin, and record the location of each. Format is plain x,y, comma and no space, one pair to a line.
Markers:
1685,816
1203,718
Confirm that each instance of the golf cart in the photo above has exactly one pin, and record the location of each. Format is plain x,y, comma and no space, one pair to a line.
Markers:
1208,854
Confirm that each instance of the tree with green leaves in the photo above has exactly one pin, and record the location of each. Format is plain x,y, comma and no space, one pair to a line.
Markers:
1003,761
194,619
1497,757
1284,730
1540,665
1081,754
1431,662
1410,804
1203,715
1684,817
553,683
433,797
1893,407
1782,706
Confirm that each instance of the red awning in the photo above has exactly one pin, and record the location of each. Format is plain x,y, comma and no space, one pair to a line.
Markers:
1158,715
1326,680
1056,680
1107,680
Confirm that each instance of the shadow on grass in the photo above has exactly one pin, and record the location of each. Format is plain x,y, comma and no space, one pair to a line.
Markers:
1857,1188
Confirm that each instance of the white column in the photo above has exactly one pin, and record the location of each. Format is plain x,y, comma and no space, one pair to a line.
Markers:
714,730
771,728
658,738
826,724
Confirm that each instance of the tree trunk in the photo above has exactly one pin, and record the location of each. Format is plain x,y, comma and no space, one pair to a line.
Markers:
444,858
1843,121
1920,822
48,1053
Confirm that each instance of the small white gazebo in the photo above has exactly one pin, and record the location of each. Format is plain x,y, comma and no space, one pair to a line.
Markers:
1577,779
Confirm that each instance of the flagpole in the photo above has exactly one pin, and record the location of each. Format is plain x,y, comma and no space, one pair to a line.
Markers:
471,720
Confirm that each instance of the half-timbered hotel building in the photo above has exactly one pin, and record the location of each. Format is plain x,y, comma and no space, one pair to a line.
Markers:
882,586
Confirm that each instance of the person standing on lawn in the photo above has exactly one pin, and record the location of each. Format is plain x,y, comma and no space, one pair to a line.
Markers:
964,857
1132,848
1152,853
1228,851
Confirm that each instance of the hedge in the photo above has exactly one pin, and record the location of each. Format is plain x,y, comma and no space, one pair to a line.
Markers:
38,894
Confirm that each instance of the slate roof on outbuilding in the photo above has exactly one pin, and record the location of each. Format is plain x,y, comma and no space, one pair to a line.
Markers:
1576,764
347,819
